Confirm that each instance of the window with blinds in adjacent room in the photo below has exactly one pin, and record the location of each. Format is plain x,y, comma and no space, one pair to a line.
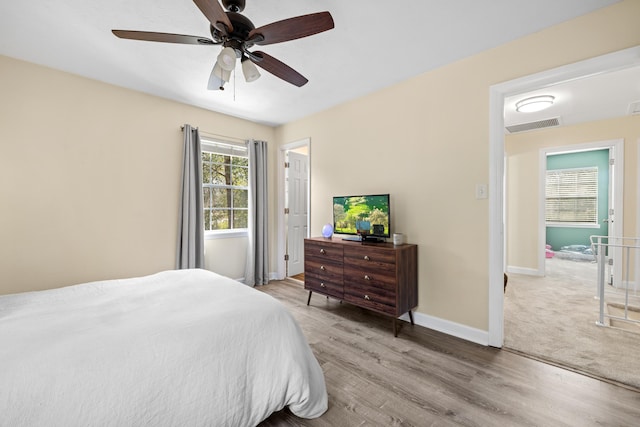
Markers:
572,196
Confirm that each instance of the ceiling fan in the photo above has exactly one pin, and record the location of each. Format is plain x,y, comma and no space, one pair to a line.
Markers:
237,35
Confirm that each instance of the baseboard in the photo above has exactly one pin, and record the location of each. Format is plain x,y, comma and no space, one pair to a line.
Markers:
274,276
450,328
524,270
445,326
632,286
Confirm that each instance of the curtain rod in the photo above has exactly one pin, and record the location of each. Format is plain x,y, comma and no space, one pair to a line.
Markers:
215,135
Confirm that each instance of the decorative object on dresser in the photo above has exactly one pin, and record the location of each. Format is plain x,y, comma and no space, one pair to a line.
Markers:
381,277
327,231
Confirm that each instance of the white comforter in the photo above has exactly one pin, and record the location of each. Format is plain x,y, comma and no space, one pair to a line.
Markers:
178,348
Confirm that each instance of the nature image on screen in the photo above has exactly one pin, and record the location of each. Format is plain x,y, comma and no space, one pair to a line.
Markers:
366,215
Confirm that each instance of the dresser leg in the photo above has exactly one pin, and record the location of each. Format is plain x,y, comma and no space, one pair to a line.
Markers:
395,327
309,299
411,317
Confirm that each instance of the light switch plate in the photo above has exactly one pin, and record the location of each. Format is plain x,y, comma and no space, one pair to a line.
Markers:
481,191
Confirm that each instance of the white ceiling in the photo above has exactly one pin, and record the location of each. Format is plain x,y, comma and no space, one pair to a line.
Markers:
374,44
598,97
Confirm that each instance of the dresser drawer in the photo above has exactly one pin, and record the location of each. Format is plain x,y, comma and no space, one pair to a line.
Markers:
379,277
381,300
320,285
329,271
329,252
370,257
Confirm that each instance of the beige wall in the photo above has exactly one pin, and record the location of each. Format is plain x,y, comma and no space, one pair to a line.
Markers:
226,256
523,174
76,205
426,141
89,179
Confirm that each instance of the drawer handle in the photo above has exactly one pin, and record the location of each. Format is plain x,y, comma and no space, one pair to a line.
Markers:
367,297
322,268
322,251
366,277
366,258
322,285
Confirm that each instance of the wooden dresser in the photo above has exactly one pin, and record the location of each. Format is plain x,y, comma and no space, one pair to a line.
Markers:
376,276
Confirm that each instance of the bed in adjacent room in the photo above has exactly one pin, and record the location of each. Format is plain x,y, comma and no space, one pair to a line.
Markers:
177,348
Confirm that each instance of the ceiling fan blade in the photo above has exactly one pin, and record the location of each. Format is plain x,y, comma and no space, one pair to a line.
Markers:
162,37
215,14
292,28
277,68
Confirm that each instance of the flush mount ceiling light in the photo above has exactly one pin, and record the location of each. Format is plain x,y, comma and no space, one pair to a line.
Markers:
535,103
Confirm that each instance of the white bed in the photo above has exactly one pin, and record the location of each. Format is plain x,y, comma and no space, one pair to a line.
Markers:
177,348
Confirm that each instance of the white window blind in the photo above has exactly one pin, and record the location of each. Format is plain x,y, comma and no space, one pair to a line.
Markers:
572,196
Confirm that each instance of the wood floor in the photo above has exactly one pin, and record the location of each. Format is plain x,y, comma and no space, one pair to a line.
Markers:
299,277
425,378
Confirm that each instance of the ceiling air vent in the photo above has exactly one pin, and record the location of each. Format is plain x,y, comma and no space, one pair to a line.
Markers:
540,124
634,108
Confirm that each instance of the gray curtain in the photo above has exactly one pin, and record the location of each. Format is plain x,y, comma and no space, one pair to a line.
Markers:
257,267
190,251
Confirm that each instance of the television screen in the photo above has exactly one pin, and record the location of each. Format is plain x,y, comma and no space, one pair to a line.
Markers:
362,215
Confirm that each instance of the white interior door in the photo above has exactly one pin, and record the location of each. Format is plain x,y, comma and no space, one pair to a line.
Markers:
614,219
297,178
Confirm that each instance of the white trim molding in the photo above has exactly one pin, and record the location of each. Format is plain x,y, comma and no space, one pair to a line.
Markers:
448,327
636,269
524,270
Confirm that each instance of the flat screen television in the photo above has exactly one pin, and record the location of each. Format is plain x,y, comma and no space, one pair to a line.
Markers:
367,217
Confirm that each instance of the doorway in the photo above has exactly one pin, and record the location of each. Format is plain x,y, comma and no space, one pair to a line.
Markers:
293,206
614,61
296,208
610,208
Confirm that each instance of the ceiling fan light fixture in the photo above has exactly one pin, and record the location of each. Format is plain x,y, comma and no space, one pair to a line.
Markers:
215,82
534,103
236,33
227,59
250,71
221,73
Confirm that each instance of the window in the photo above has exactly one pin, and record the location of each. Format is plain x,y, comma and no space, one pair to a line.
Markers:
572,196
225,170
